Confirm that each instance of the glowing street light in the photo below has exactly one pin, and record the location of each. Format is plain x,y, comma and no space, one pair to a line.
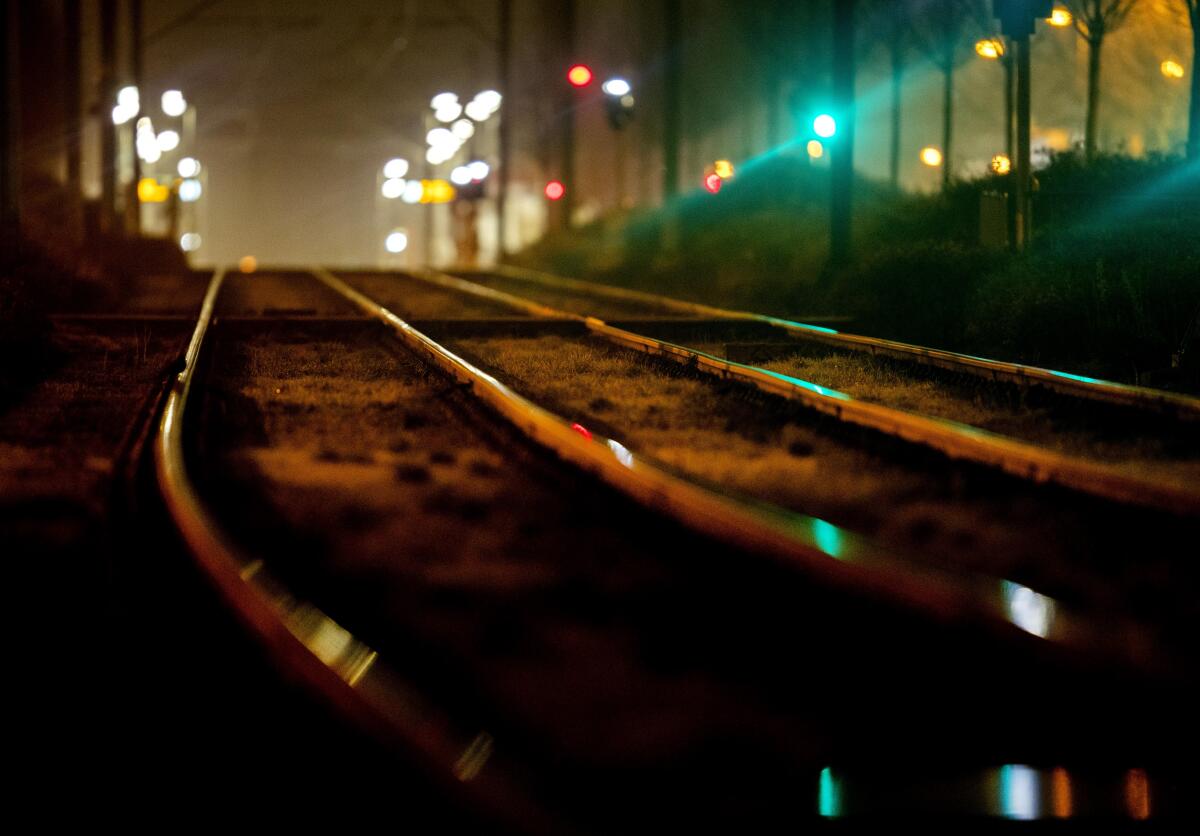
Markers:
555,190
990,48
395,168
477,110
173,103
478,169
168,141
723,169
443,100
1172,69
190,191
413,190
815,149
392,188
188,167
1059,17
616,87
189,242
825,126
397,241
1001,164
461,176
463,129
580,75
129,98
931,156
712,183
448,113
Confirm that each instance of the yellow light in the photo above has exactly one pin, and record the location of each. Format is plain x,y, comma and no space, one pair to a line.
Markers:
931,156
150,190
248,264
1059,17
1172,69
1001,164
723,169
815,149
437,191
989,48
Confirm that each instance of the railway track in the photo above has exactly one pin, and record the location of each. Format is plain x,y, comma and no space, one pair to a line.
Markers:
1077,435
566,627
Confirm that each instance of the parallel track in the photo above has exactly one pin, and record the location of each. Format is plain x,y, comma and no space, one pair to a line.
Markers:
952,438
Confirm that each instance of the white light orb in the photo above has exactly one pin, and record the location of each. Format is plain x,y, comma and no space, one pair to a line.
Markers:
397,242
824,126
173,103
490,99
478,111
168,141
463,129
128,98
149,152
442,100
461,176
616,87
413,190
440,138
395,169
448,113
122,114
189,242
190,190
393,188
478,169
188,167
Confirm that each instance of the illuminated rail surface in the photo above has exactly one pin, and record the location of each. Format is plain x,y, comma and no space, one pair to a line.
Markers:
1179,492
845,587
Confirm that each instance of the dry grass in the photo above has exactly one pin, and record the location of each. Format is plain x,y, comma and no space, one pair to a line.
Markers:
1164,452
572,301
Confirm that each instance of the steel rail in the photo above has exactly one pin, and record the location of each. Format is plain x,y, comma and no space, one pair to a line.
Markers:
951,438
313,648
1182,407
820,549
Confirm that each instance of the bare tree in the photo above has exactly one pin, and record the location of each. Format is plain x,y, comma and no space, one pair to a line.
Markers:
887,23
943,29
1094,21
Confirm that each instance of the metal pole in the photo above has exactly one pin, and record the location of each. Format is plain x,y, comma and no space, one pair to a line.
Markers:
672,82
508,90
842,148
1023,225
568,129
133,206
108,131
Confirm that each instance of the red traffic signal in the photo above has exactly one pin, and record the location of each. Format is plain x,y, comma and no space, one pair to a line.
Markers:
712,182
555,190
580,75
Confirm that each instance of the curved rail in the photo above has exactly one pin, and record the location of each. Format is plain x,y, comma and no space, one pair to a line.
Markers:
823,550
1182,407
312,647
952,438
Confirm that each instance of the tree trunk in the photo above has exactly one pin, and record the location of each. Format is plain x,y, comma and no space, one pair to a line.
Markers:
1193,147
108,131
73,113
506,120
897,104
1093,99
842,147
672,94
1008,105
133,206
947,120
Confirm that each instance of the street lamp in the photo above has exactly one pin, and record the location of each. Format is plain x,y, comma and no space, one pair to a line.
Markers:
931,156
825,126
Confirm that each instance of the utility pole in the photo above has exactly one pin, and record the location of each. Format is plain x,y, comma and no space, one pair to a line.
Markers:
133,206
9,149
108,130
842,148
506,117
